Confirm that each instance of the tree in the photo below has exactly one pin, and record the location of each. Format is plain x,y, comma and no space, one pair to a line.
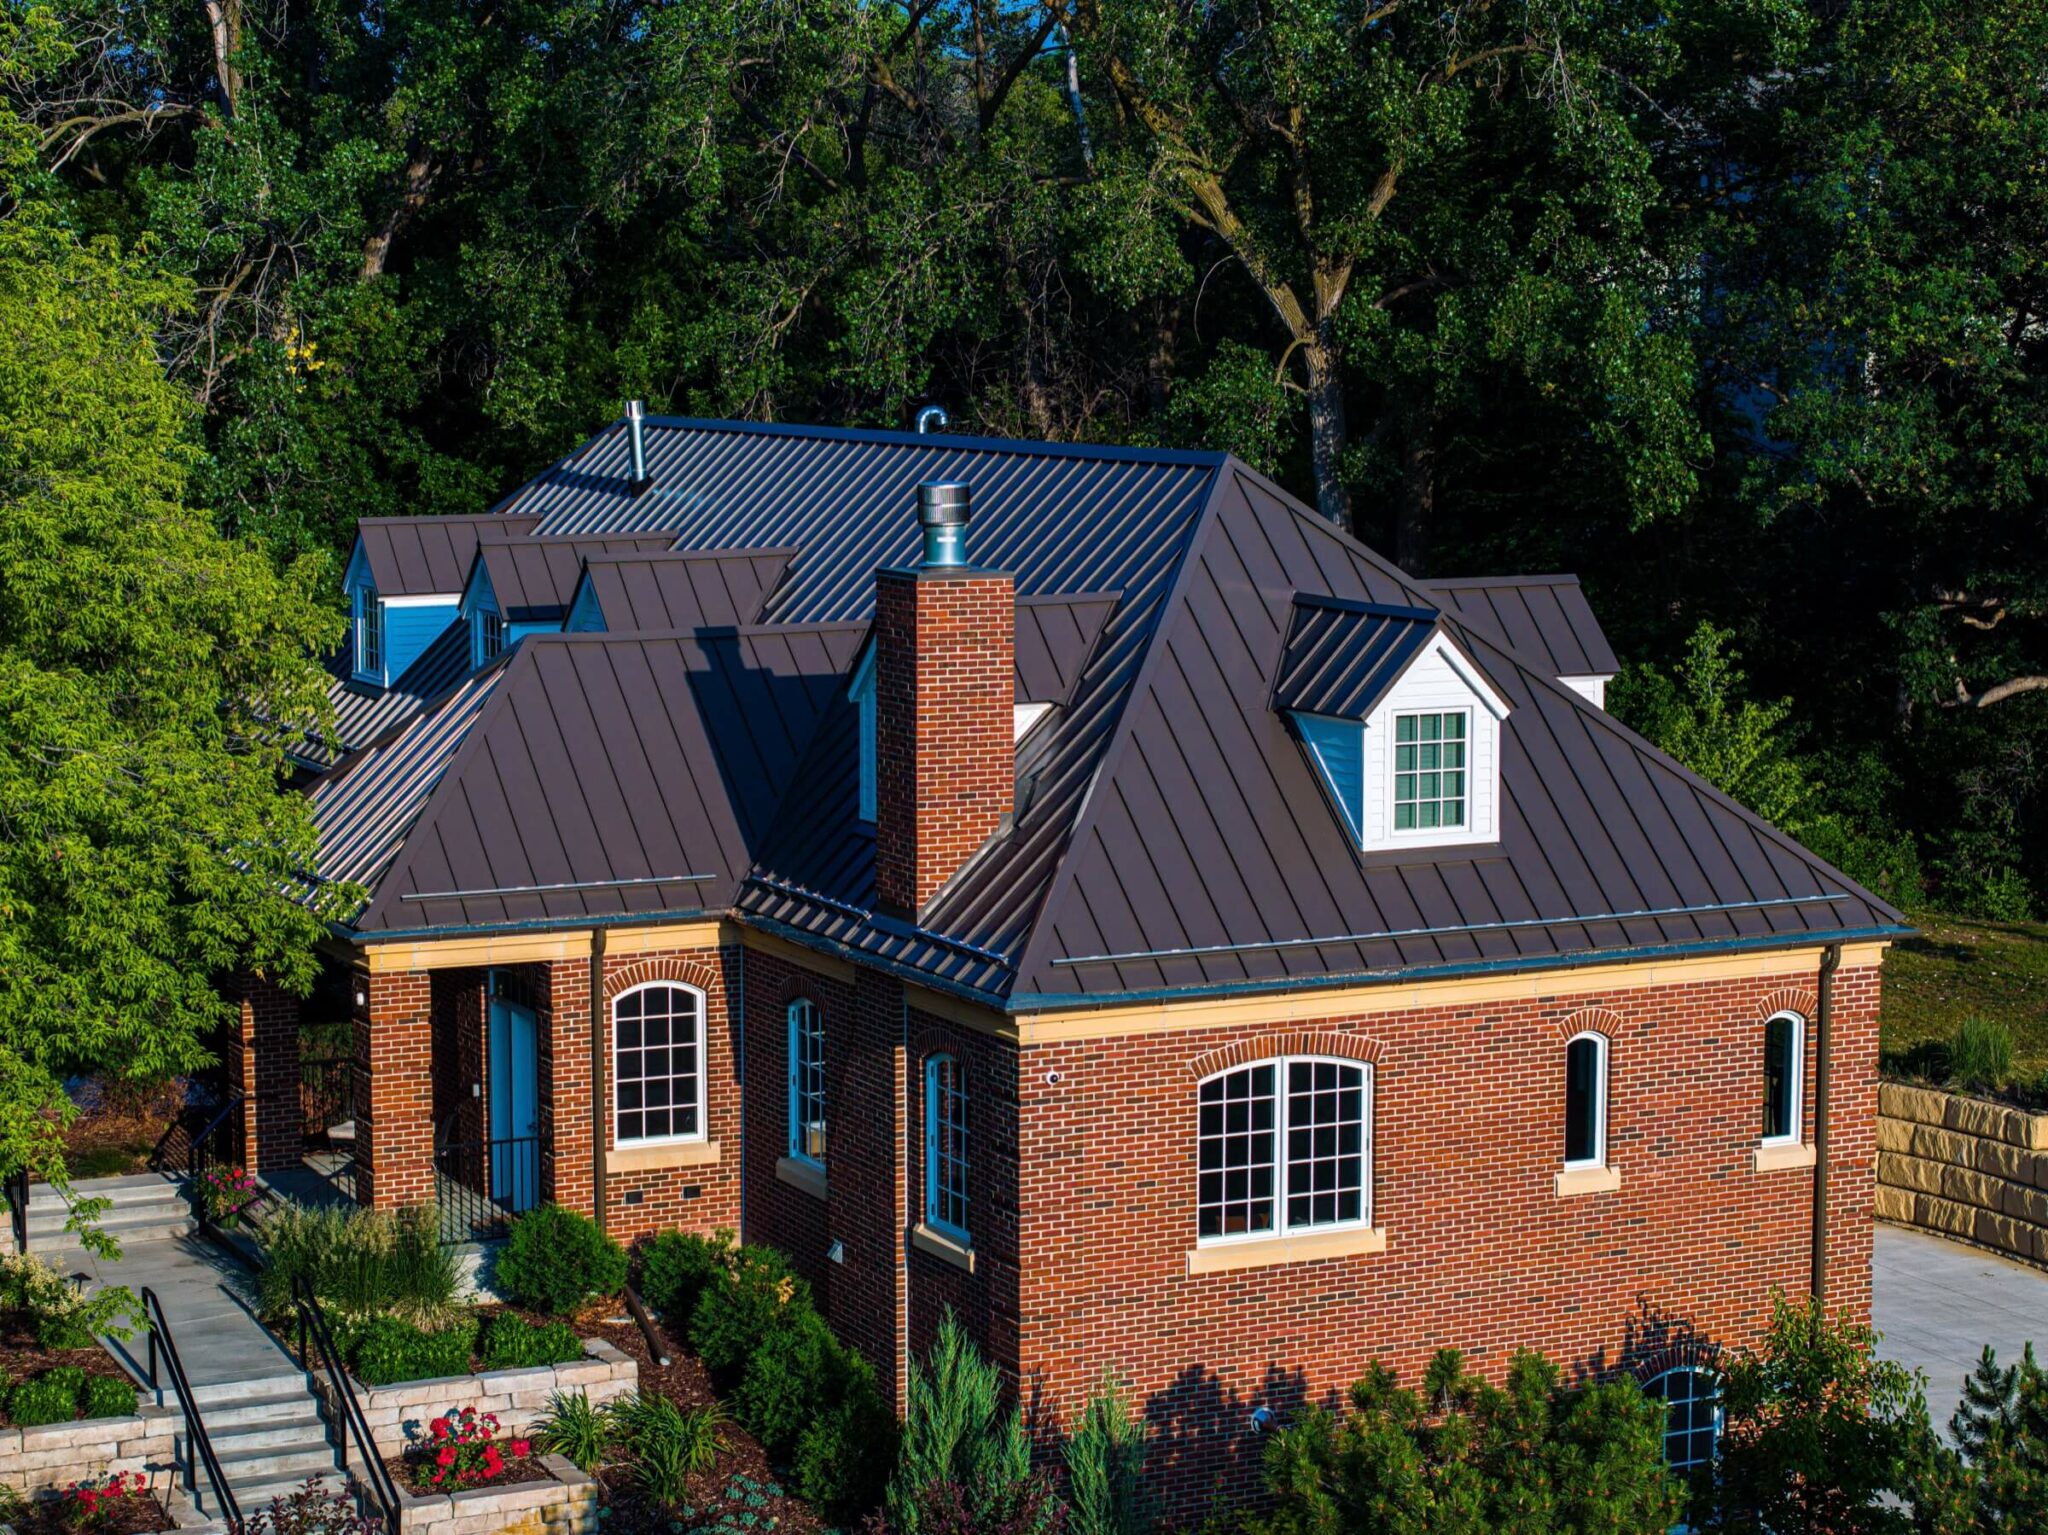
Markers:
1819,1434
150,671
1105,1458
1462,1455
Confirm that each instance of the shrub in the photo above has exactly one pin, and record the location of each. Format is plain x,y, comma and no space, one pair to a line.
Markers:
574,1428
667,1445
385,1350
780,1391
844,1455
512,1343
464,1450
313,1510
106,1397
677,1267
360,1262
1980,1054
961,1451
61,1314
43,1399
755,1296
1106,1467
555,1260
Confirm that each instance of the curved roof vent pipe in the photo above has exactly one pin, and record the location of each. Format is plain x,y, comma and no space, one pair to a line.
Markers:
943,513
931,416
636,441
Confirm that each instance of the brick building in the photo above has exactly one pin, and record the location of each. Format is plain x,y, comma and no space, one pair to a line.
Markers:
1080,888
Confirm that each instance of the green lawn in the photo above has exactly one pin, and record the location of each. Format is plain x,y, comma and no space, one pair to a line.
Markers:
1956,968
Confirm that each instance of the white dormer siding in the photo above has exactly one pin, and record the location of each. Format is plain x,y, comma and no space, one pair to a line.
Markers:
1450,704
1592,689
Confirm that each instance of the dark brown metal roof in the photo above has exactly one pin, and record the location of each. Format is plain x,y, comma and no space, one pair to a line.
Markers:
1055,637
533,579
1544,619
687,589
1341,657
422,556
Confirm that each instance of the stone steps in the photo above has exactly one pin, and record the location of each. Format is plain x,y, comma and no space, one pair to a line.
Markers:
145,1207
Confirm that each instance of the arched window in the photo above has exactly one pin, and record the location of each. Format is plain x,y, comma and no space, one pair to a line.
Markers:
806,1083
945,1146
1784,1067
1284,1145
1692,1416
1585,1100
658,1063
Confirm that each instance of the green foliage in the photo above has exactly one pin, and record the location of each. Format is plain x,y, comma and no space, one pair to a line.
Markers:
1980,1055
571,1427
105,1397
46,1398
62,1314
756,1297
383,1350
957,1436
677,1266
510,1342
2001,1431
1818,1433
1461,1454
844,1454
1106,1465
667,1445
360,1263
555,1260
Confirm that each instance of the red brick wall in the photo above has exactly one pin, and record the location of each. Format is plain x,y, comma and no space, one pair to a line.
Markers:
262,1059
394,1088
561,1004
1481,1254
945,772
701,1197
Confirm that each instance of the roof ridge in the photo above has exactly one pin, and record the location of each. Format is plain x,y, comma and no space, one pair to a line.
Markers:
1554,578
1118,744
736,552
893,437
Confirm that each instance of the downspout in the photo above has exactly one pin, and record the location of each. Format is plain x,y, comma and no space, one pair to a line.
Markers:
599,1119
1823,1045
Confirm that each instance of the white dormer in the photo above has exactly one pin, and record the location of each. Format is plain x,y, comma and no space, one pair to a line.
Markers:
1422,768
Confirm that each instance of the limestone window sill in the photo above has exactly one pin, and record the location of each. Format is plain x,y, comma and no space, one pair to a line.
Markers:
1587,1180
1305,1248
643,1159
946,1249
799,1174
1769,1159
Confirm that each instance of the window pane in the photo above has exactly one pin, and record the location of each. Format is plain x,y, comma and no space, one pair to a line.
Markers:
1325,1142
946,1143
806,1082
658,1078
1429,776
1692,1416
1240,1201
1581,1100
1778,1074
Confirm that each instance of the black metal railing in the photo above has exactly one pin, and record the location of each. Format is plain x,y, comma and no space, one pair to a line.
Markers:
161,1344
481,1185
17,1206
327,1096
202,1137
340,1397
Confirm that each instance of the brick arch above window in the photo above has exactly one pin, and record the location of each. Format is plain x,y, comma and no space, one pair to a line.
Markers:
1588,1020
663,967
1263,1047
1788,999
1686,1353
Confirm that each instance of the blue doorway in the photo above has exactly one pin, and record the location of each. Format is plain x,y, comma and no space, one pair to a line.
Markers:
515,1105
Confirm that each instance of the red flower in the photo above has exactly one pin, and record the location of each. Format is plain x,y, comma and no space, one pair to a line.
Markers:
439,1427
446,1457
521,1448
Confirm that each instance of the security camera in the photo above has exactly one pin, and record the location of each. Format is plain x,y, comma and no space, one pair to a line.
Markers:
1052,1079
1262,1419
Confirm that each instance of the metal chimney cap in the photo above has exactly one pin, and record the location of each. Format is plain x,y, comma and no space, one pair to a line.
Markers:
636,410
943,504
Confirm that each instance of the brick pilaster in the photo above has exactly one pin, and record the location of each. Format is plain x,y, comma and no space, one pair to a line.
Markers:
562,1006
394,1088
265,1066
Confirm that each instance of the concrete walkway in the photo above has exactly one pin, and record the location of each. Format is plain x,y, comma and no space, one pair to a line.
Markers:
1938,1303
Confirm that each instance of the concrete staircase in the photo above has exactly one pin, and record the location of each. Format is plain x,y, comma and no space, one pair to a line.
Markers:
146,1207
269,1437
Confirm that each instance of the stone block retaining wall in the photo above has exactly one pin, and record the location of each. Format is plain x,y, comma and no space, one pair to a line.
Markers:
565,1506
1962,1167
55,1455
397,1415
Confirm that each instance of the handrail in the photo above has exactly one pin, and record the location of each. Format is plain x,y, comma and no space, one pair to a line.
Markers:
194,1140
17,1206
195,1426
313,1324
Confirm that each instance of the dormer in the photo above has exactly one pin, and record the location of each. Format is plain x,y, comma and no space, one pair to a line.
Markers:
400,600
1401,727
366,619
482,616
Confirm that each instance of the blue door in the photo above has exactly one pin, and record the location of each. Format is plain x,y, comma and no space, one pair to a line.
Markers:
515,1106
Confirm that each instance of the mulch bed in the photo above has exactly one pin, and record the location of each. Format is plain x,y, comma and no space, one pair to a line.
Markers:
137,1514
741,1495
21,1356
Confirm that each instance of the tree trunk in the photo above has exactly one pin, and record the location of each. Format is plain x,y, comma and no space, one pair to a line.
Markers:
1418,499
1326,424
420,172
1159,362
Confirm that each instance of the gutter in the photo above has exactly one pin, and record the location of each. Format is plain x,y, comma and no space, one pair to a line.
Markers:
1823,1045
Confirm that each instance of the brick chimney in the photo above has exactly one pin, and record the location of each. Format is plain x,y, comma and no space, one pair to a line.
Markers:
945,690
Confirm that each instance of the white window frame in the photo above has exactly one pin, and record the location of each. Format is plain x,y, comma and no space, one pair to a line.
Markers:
1281,1228
1602,1057
806,1021
1698,1373
368,634
1798,1078
1441,679
703,1130
1430,834
481,622
957,1230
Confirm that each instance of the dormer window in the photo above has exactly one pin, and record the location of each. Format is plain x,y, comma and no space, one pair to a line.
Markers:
487,636
369,632
1429,770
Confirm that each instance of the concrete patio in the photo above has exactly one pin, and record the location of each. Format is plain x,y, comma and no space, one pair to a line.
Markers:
1938,1303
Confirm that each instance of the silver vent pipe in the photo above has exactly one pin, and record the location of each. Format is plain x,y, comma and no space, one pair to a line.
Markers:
943,513
636,441
931,416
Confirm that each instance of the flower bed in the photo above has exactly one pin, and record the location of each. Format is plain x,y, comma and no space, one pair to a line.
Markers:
118,1504
51,1370
462,1450
560,1500
398,1415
